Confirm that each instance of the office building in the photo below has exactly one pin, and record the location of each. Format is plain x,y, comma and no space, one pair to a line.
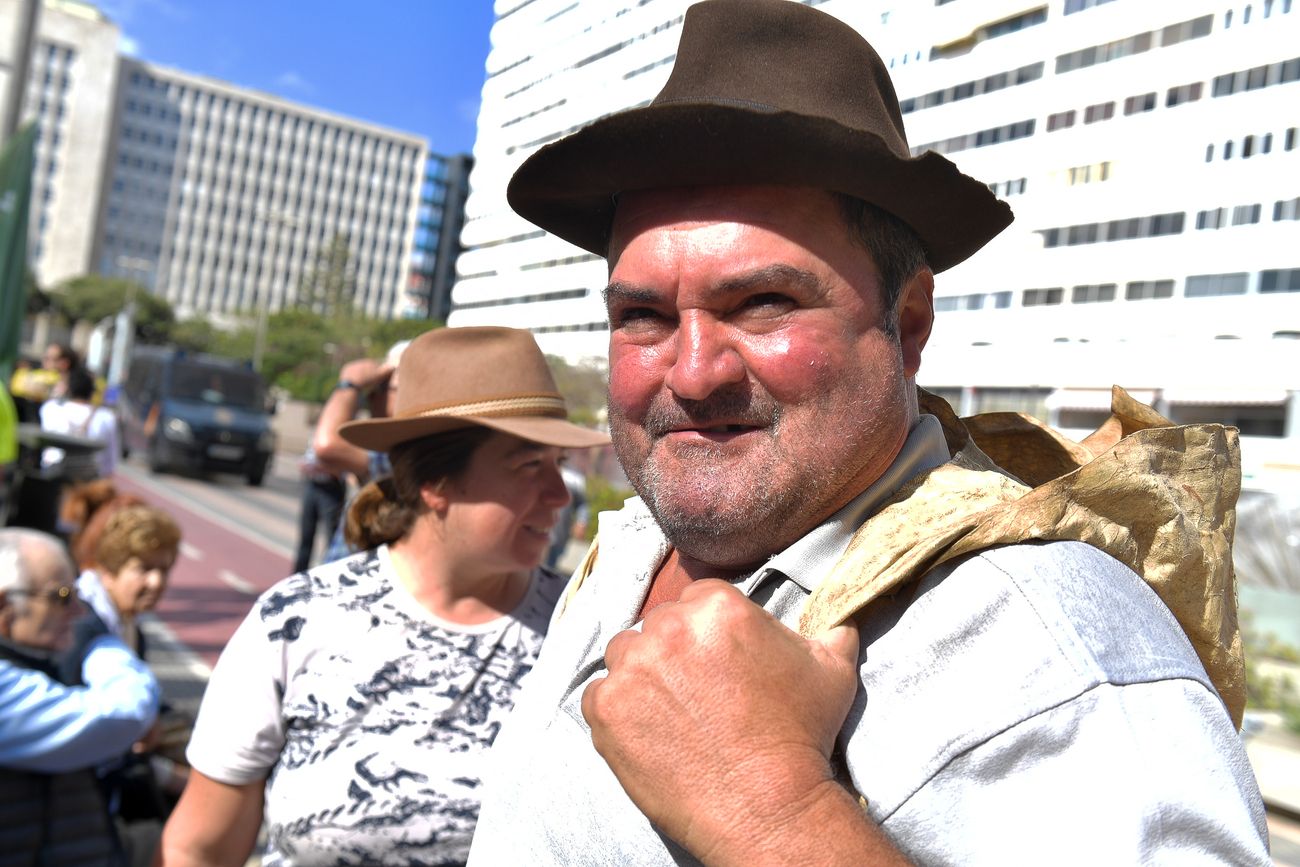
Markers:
1148,149
219,198
222,199
69,94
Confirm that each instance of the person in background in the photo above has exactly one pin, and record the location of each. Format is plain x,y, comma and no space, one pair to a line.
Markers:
8,450
363,384
126,552
573,520
321,506
353,708
52,734
60,359
30,387
77,415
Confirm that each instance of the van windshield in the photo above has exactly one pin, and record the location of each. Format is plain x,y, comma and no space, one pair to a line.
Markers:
216,385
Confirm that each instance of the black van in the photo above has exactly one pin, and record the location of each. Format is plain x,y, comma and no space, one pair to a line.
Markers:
196,412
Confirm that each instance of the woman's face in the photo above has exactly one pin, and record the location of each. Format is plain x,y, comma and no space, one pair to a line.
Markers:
499,513
140,583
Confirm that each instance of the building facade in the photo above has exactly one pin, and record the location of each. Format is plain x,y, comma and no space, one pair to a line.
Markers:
223,199
69,94
437,236
1149,151
219,198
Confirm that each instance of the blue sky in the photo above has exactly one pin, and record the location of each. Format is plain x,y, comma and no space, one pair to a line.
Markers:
413,65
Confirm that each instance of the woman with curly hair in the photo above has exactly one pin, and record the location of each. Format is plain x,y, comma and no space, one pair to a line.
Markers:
126,549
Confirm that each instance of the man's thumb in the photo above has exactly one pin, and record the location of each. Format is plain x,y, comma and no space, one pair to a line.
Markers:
841,642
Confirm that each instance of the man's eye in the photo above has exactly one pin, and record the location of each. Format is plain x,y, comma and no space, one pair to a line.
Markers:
633,315
768,300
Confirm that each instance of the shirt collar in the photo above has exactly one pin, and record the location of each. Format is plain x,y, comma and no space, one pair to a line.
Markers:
810,559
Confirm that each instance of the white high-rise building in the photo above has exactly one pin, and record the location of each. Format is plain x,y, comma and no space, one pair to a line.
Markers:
69,93
222,198
1149,149
219,198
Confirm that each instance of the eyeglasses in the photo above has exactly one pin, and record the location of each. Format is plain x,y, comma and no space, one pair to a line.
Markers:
63,596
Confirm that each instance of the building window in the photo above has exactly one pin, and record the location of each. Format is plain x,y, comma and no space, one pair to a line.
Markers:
1043,297
1209,285
1212,219
1183,93
1141,103
1101,111
1286,280
1286,210
1245,215
1145,290
1060,120
1092,294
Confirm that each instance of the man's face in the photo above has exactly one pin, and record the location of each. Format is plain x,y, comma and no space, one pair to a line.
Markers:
43,617
753,387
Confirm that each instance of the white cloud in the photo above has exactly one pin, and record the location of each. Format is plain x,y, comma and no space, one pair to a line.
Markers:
128,46
291,80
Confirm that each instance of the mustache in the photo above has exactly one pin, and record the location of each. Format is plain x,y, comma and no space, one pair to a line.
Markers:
742,406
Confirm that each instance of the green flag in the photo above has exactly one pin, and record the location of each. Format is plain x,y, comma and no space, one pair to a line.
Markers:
15,202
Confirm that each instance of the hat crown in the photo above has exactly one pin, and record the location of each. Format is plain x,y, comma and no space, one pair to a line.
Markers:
755,53
453,367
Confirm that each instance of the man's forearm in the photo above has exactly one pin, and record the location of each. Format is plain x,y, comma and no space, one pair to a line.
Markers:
829,828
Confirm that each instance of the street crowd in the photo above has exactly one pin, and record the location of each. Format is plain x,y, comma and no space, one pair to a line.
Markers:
835,625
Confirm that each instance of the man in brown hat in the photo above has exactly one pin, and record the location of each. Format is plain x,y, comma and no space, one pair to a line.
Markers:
772,245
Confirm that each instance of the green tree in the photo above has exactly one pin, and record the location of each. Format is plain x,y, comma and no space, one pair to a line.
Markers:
584,387
328,289
93,297
196,335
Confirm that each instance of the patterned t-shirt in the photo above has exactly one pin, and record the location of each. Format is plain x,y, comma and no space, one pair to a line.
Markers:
368,715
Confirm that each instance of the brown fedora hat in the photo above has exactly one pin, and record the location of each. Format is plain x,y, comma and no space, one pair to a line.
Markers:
762,92
456,377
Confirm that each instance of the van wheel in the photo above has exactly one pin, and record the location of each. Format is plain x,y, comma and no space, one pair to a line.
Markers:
257,475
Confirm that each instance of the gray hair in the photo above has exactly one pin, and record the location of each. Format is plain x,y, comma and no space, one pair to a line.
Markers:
20,560
896,250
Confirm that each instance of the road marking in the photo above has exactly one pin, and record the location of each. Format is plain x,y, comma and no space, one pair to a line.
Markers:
164,641
204,511
189,552
233,580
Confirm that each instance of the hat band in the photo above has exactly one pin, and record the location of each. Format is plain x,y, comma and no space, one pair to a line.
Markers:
505,406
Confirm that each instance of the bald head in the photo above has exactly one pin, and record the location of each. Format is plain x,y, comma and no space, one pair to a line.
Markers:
37,598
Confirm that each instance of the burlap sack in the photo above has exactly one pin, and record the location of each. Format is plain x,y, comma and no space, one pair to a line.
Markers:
1157,497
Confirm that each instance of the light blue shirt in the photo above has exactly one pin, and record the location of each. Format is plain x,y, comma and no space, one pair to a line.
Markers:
51,728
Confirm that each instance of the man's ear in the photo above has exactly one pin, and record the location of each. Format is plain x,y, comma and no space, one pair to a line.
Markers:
915,319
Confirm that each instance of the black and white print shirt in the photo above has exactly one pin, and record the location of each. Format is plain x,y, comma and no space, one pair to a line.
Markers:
369,717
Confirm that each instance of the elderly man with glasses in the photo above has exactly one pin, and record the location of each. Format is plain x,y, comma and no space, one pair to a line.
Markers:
52,735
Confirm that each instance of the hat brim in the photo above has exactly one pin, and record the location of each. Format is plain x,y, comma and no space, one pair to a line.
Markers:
568,187
381,434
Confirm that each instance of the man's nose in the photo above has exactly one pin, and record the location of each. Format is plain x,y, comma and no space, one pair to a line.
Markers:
706,359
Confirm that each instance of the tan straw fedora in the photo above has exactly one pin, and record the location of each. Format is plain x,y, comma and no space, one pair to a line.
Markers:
456,377
762,92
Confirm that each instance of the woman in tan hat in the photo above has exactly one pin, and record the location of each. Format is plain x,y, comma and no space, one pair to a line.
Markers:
352,709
